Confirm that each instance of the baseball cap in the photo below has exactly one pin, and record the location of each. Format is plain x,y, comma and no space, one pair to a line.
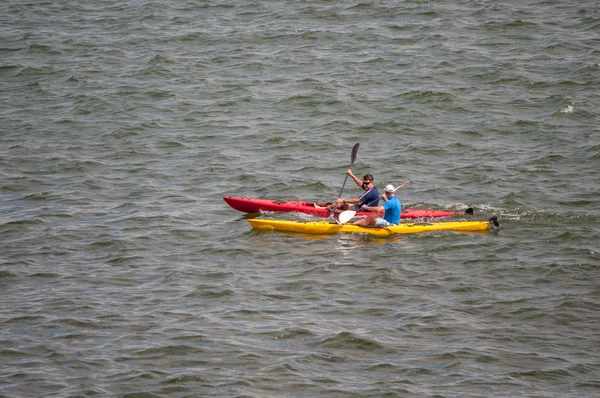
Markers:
389,188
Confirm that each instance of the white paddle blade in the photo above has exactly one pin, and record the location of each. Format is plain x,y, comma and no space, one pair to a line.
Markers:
345,216
401,186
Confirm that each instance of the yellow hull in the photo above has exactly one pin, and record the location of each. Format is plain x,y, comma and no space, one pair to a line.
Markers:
325,227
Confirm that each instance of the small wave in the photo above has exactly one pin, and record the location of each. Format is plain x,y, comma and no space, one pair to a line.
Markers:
13,353
35,221
170,144
567,109
555,374
185,379
427,96
159,59
210,292
283,367
27,319
170,350
42,49
10,70
6,275
79,324
349,341
45,275
292,334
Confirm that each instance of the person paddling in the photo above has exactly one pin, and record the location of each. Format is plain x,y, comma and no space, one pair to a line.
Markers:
369,198
391,207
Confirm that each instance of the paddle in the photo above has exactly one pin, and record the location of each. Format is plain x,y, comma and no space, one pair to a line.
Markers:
345,216
352,160
401,186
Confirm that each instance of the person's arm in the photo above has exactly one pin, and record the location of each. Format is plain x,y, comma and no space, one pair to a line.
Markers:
348,201
372,208
357,180
379,209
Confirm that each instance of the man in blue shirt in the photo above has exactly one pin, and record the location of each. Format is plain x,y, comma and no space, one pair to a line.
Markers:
369,198
391,207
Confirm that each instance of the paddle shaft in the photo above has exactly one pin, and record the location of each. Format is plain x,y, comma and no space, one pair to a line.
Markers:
353,159
344,184
401,186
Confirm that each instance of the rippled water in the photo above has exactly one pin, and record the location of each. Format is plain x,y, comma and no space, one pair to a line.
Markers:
123,272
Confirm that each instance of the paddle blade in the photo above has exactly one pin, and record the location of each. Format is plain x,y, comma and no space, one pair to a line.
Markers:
402,186
354,156
354,153
345,216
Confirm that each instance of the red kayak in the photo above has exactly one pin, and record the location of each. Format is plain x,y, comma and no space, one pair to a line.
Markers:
248,205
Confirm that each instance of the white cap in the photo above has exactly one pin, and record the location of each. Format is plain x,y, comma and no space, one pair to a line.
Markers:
389,188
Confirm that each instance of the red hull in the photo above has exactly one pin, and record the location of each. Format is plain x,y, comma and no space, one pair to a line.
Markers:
248,205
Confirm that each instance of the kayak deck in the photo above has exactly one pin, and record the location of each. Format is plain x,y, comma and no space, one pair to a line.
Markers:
249,205
327,228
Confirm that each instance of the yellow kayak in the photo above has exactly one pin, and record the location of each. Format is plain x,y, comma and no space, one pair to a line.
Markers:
325,227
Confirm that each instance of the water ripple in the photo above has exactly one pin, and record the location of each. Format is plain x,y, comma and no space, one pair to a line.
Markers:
123,273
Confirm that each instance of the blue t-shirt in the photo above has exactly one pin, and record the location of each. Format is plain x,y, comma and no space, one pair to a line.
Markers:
392,210
370,198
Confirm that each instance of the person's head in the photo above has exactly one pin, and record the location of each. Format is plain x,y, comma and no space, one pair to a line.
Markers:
389,190
367,181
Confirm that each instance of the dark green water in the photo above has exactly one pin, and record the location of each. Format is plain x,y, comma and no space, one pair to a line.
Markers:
123,272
